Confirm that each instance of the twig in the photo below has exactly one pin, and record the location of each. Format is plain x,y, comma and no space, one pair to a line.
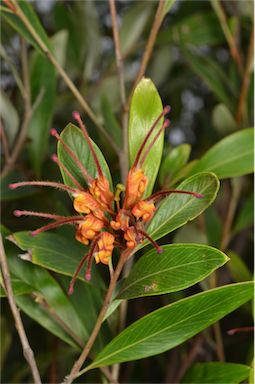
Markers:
78,364
229,37
63,74
27,351
149,46
189,358
27,113
5,143
120,66
246,79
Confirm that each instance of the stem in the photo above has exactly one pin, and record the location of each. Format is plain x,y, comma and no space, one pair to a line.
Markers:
229,37
27,351
52,184
246,80
149,46
4,140
123,157
62,73
27,113
78,364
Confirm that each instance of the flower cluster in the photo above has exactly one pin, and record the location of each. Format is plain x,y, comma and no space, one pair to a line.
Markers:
105,220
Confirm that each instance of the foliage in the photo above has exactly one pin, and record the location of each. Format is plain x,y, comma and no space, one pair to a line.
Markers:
61,58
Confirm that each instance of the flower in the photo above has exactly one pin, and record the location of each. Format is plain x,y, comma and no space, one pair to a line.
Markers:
102,221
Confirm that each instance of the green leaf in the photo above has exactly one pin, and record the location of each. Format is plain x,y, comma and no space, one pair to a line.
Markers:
245,217
230,157
178,267
18,287
74,138
134,22
43,89
223,120
12,194
167,7
238,268
213,227
173,163
18,25
10,117
59,45
52,251
110,122
220,373
188,232
177,209
146,106
171,325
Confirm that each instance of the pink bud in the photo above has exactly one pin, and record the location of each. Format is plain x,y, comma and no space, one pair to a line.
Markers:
54,158
160,250
76,115
167,109
17,213
12,186
88,276
70,290
53,132
33,233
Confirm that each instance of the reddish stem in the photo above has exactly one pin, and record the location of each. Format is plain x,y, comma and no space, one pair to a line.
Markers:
77,117
84,171
158,248
80,265
61,165
19,213
58,223
161,194
164,112
43,184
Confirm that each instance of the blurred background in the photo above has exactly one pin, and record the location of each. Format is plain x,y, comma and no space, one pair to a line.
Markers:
199,71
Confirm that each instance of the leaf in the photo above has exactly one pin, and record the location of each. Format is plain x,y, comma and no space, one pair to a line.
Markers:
187,233
167,7
10,117
18,25
230,157
238,268
176,209
18,287
59,45
145,108
220,373
178,267
43,89
245,217
213,227
52,251
171,325
223,120
74,138
133,25
12,194
173,163
110,122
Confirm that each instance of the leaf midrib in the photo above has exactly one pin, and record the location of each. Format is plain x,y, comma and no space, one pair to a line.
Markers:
229,160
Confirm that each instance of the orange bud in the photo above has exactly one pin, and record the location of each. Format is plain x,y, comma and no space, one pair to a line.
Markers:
130,236
105,248
136,184
101,191
144,209
122,221
85,203
88,229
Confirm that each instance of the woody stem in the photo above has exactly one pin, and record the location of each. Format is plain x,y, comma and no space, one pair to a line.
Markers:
75,372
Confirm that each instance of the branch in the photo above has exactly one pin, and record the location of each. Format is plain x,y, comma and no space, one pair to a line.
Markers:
78,364
149,46
246,79
27,351
229,37
120,66
62,73
27,113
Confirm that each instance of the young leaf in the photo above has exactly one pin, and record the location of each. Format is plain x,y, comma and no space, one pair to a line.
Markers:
176,210
223,120
173,163
74,138
220,373
230,157
145,108
171,325
178,267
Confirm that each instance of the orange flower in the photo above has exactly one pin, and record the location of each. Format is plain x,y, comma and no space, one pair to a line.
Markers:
136,184
144,209
105,248
131,237
122,221
85,203
88,229
100,189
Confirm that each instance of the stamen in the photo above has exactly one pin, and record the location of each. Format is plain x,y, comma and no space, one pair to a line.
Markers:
158,195
61,165
155,245
69,220
164,126
43,184
85,173
77,271
165,111
90,257
19,213
77,117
